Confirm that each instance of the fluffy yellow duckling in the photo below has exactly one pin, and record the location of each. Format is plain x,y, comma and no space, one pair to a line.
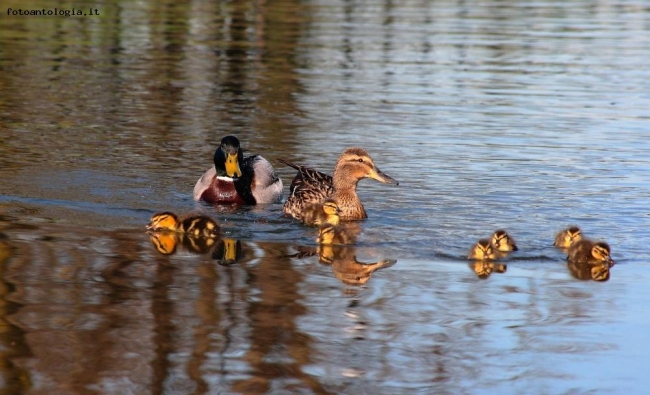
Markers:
568,236
483,250
503,242
237,180
195,225
311,186
587,251
322,213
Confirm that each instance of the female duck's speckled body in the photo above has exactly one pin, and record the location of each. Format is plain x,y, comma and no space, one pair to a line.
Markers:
568,236
587,251
311,186
237,180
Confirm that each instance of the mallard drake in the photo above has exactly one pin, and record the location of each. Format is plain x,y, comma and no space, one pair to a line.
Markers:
326,212
568,236
194,225
587,251
311,186
502,241
483,250
237,180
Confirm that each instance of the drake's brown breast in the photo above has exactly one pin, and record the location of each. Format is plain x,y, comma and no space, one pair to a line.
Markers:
222,192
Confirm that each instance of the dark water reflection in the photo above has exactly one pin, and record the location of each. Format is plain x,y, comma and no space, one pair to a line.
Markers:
517,115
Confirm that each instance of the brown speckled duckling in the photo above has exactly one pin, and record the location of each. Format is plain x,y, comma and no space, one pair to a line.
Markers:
503,242
483,250
587,251
568,236
194,225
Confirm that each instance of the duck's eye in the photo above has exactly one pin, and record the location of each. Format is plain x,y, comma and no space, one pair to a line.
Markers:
360,160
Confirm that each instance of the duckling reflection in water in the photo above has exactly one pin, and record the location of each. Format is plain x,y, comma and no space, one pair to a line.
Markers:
323,213
227,252
193,225
565,238
587,251
589,271
483,269
483,250
344,234
503,242
196,233
167,243
345,265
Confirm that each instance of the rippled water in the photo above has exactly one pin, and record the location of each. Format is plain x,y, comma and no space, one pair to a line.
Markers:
516,115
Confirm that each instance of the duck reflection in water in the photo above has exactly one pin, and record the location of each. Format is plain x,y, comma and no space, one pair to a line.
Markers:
589,271
197,234
227,251
346,267
483,269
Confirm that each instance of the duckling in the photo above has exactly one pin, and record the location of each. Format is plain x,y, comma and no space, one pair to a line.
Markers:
587,251
322,213
503,242
195,225
568,236
330,234
237,180
311,186
483,250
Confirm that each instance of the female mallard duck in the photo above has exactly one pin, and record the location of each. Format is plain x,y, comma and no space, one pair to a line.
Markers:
237,180
311,186
502,241
587,251
195,225
322,213
568,236
483,250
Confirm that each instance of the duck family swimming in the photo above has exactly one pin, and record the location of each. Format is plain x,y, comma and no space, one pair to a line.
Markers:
318,199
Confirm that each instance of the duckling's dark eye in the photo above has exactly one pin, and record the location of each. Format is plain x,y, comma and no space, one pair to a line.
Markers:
360,160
